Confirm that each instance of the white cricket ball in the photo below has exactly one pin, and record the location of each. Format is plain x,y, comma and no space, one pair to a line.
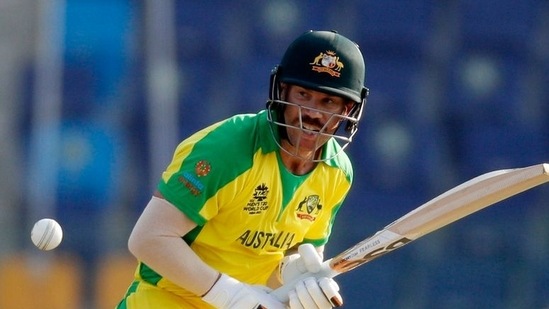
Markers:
46,234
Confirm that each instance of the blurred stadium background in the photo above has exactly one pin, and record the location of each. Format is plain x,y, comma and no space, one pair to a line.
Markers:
94,96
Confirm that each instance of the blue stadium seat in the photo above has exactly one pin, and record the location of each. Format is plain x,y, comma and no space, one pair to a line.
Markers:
275,24
487,260
394,83
484,148
80,87
91,161
390,155
98,34
541,284
473,272
503,25
396,27
205,29
375,284
483,112
396,109
484,86
468,284
90,155
535,250
253,83
489,66
205,93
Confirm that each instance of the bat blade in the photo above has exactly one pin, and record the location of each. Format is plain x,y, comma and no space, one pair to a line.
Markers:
454,204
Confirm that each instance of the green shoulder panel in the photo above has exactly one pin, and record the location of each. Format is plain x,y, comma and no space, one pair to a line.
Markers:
341,160
212,158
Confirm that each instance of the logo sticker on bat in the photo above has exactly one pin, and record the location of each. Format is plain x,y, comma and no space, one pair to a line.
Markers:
350,260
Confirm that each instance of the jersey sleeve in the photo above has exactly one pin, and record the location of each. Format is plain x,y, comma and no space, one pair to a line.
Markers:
182,187
204,164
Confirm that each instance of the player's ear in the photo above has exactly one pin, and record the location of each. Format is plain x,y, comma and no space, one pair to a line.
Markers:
348,107
283,90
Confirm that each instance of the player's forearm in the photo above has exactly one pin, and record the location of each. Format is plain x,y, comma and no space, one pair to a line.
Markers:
176,262
156,243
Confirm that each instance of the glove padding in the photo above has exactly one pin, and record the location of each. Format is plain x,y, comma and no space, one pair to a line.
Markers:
229,293
306,260
315,293
311,292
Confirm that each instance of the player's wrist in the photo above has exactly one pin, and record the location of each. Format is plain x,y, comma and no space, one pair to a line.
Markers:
220,292
228,293
216,280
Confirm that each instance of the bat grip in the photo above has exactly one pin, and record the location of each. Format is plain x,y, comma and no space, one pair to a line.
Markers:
281,293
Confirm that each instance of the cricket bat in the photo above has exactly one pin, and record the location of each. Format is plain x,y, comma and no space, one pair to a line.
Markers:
454,204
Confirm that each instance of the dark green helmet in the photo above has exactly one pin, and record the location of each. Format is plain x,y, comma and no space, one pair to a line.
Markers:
325,61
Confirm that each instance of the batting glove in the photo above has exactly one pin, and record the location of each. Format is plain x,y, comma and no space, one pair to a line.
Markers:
315,293
292,266
229,293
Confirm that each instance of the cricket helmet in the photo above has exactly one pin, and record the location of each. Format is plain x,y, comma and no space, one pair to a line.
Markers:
323,61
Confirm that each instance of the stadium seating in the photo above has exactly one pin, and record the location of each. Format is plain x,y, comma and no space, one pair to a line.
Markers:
507,26
392,27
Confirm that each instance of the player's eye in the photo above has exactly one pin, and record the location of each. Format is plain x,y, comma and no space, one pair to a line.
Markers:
329,104
303,94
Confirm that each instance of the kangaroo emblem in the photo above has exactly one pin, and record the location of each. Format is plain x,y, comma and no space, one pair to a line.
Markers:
327,62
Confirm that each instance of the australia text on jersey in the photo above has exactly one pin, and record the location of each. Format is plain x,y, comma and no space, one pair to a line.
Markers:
259,239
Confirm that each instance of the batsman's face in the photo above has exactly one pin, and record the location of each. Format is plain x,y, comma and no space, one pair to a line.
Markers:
313,117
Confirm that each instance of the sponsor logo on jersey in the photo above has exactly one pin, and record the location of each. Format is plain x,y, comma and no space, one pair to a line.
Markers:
192,183
258,203
309,208
261,239
327,62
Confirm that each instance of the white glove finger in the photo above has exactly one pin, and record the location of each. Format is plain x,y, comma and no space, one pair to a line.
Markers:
311,259
294,300
330,288
305,298
317,294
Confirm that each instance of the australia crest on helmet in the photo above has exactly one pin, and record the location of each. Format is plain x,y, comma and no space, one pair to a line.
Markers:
327,62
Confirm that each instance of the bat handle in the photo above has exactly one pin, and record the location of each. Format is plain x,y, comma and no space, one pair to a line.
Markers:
281,293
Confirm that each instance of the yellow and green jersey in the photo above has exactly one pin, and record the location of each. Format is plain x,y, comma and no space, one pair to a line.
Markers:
230,180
